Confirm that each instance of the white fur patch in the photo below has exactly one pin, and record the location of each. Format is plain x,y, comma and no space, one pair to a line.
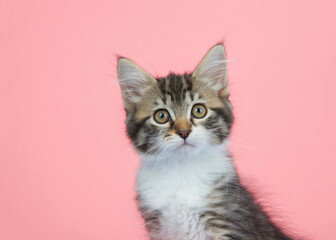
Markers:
178,191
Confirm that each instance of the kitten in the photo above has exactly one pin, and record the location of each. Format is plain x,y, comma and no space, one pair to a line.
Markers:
187,186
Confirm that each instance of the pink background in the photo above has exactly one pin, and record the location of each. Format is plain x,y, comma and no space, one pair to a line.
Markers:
66,167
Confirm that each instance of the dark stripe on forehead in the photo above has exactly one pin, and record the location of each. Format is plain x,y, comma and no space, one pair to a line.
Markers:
162,85
188,81
176,86
162,88
191,96
189,85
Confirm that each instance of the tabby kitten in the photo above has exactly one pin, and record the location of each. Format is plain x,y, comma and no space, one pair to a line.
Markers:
187,185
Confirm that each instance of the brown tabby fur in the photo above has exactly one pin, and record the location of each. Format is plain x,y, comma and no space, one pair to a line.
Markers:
231,212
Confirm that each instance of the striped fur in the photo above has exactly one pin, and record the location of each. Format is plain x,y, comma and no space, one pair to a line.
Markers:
187,185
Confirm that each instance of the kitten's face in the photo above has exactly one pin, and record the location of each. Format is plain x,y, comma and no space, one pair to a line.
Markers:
177,115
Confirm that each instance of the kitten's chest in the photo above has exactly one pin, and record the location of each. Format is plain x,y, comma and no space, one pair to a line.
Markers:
180,222
180,199
174,191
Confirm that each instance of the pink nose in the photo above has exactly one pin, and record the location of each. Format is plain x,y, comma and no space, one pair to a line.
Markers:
184,133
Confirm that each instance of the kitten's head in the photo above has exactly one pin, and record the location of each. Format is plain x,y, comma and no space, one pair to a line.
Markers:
177,115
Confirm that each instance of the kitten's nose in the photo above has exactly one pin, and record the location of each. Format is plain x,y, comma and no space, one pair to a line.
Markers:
182,127
184,133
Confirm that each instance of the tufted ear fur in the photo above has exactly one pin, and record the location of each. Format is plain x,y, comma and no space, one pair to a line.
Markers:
134,81
212,70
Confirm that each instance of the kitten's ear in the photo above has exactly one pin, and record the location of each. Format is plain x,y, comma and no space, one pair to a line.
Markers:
133,82
213,70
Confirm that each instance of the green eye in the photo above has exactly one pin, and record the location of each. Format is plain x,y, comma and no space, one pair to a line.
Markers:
161,116
198,111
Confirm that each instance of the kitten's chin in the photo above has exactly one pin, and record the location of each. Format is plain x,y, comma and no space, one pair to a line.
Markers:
186,148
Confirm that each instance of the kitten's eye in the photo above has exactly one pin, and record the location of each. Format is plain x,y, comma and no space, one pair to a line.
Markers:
198,111
161,116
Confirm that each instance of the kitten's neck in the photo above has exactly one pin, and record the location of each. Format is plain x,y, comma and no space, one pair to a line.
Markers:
171,160
186,179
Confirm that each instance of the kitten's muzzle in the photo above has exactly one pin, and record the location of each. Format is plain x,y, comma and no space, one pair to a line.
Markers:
182,127
184,133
